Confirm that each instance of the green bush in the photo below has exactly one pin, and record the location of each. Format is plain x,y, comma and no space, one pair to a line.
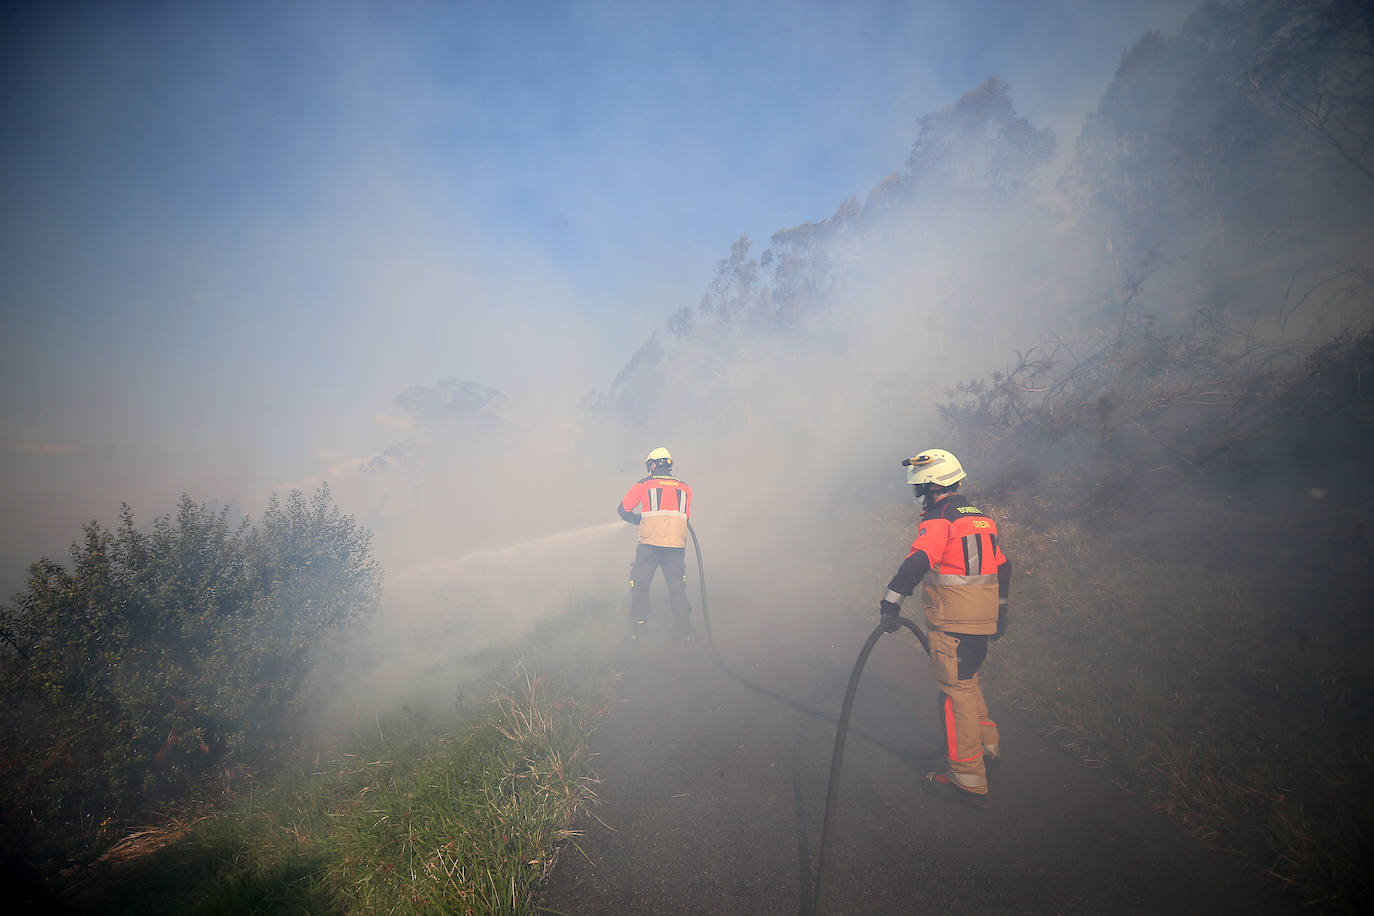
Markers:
165,659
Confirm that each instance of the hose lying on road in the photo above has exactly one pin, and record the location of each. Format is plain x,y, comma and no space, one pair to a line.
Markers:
796,704
832,790
842,723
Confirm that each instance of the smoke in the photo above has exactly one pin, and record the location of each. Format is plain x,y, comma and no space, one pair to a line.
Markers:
441,612
441,321
791,391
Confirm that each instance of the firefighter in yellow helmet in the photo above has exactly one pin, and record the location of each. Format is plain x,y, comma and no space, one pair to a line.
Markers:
965,579
660,504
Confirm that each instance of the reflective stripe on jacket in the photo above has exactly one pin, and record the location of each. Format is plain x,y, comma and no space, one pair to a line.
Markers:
664,505
960,591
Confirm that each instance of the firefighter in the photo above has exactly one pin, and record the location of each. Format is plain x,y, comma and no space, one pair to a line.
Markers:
660,505
965,580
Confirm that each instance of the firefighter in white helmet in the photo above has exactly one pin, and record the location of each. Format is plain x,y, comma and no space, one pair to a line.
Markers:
965,579
660,504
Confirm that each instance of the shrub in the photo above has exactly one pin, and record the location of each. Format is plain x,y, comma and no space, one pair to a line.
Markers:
164,658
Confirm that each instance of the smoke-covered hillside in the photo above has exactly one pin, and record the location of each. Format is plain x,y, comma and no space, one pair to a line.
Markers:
1209,224
1202,234
1147,337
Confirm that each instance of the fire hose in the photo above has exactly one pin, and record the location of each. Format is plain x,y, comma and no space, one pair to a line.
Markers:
832,790
842,723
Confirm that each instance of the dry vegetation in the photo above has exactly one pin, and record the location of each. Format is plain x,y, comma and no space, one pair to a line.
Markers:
1188,522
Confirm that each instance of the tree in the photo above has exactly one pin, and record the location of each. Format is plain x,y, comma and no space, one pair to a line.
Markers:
1203,144
977,145
637,386
802,261
735,293
1316,68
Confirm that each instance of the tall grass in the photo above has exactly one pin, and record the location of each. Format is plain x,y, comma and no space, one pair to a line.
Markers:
460,811
475,823
1192,689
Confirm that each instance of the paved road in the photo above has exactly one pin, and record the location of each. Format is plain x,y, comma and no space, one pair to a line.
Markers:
713,795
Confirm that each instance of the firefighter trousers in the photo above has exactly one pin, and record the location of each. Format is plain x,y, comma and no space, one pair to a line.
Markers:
673,560
954,663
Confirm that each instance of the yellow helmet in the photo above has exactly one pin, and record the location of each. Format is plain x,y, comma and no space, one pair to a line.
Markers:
933,466
659,459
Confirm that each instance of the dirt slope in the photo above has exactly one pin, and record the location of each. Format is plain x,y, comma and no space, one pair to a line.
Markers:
713,797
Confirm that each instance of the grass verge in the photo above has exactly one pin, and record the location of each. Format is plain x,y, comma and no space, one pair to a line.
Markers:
463,811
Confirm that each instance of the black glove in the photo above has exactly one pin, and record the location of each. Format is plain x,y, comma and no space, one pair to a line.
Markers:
888,612
1003,619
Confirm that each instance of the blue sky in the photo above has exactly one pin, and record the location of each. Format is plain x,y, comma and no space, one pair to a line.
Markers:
232,235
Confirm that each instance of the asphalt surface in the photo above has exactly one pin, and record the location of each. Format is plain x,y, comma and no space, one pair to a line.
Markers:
713,793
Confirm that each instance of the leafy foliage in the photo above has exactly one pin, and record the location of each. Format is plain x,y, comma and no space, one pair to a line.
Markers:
974,154
167,657
414,809
979,144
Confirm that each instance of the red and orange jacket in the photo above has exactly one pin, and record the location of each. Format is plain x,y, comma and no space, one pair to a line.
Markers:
660,505
962,570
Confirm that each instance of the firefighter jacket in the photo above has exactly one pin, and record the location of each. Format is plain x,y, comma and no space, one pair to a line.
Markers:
661,506
956,558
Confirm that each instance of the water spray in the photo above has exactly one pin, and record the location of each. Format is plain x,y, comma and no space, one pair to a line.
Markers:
511,551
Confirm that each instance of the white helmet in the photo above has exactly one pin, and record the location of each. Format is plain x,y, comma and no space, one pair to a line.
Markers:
659,458
933,466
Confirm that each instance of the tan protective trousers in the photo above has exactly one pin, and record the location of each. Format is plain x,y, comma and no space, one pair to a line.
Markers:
967,726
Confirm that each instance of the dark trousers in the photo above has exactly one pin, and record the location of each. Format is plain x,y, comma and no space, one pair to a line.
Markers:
648,558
